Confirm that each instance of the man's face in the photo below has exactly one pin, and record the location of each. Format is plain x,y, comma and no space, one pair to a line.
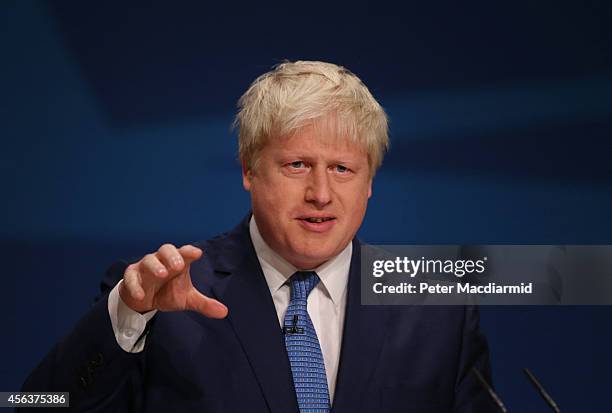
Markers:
309,195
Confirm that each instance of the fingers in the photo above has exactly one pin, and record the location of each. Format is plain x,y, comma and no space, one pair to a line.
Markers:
196,301
168,260
190,253
131,280
171,258
174,259
150,264
162,279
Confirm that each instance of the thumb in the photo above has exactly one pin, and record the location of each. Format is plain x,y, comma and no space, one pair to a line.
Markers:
209,307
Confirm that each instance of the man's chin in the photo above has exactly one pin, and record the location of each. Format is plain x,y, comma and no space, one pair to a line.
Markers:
312,259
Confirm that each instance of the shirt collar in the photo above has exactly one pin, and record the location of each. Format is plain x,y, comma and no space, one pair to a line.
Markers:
332,273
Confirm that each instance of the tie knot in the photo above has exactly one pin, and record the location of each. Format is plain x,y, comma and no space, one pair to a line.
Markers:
302,283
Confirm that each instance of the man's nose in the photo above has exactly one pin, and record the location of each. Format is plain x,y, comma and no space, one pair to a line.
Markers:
318,190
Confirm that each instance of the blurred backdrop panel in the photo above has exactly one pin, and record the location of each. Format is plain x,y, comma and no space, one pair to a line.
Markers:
116,137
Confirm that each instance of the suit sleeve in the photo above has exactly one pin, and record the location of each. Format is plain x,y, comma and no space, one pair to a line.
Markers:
89,363
470,395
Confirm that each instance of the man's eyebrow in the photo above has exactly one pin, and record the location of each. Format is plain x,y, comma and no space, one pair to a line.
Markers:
296,154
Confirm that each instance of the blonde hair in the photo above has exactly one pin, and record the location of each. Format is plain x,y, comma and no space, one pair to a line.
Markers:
295,94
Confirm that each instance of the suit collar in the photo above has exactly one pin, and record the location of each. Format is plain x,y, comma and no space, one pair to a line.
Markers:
333,273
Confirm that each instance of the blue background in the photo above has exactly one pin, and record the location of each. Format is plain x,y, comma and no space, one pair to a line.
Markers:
115,127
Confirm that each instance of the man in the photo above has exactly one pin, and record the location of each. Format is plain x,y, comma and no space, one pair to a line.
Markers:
267,318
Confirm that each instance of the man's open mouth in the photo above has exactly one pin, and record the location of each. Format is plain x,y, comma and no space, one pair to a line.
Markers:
317,220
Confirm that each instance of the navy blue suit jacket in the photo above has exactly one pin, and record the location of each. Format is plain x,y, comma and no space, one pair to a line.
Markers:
393,359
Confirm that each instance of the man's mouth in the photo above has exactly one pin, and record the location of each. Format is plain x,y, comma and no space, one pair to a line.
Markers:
317,219
320,224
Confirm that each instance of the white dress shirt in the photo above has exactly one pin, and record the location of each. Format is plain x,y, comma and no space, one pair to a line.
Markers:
326,303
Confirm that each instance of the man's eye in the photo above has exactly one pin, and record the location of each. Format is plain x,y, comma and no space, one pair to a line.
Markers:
342,169
297,164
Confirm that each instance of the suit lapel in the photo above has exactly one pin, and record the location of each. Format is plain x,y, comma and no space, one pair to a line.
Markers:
253,317
364,333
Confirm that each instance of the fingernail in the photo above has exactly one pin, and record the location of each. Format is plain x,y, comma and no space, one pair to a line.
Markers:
161,271
177,262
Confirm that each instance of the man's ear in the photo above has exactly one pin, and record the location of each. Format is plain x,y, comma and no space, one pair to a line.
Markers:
247,176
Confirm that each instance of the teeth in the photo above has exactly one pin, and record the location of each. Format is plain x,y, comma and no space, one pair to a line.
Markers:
317,220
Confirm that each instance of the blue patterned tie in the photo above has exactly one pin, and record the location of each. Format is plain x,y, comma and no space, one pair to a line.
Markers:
303,347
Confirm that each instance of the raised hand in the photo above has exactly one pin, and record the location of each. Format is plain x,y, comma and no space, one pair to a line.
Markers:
162,281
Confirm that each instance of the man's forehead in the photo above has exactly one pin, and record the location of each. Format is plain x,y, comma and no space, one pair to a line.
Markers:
305,142
319,135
